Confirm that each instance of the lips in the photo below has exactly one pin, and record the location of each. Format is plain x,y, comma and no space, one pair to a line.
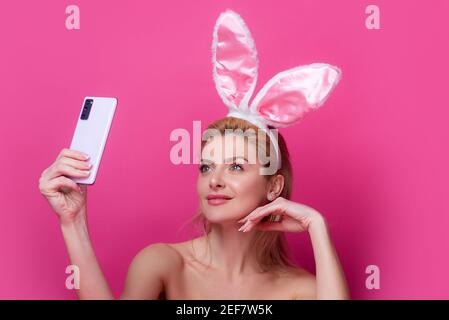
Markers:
217,199
218,196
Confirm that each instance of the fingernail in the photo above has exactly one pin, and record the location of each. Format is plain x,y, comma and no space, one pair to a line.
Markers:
86,156
243,227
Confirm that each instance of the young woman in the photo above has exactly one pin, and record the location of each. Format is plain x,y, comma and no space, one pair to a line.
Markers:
242,255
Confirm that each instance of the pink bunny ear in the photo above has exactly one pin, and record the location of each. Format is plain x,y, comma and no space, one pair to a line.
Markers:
292,93
234,59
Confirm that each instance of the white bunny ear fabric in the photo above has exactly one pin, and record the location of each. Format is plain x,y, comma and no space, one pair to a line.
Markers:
285,99
234,60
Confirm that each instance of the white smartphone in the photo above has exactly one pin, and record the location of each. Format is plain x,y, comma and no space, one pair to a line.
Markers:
92,131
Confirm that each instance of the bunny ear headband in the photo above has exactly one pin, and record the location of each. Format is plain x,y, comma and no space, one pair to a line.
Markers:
283,100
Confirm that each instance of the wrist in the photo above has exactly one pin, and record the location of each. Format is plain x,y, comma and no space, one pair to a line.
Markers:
79,221
75,231
318,222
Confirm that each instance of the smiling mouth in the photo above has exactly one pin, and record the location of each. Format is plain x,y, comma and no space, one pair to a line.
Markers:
217,201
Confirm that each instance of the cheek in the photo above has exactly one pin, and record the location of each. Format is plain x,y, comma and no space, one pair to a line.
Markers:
249,190
202,186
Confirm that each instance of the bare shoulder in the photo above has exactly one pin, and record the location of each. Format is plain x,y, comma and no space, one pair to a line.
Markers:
149,271
167,255
301,283
161,254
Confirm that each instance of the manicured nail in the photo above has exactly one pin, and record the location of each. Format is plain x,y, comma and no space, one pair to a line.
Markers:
243,227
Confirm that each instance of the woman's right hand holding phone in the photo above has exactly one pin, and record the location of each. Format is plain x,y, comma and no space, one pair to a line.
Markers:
68,200
66,197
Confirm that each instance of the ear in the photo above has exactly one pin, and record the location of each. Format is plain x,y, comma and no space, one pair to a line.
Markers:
275,187
234,60
290,94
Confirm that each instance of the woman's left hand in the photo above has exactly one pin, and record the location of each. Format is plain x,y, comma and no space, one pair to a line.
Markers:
295,217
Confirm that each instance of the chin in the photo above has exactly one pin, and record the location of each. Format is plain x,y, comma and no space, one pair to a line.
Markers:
221,214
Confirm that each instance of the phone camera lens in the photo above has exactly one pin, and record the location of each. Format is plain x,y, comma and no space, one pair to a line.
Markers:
86,109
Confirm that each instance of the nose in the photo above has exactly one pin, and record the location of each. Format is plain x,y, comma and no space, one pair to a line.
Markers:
216,179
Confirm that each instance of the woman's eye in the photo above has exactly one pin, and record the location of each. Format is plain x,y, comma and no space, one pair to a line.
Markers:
236,167
203,168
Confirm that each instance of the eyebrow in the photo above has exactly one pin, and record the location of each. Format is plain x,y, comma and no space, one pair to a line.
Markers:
226,160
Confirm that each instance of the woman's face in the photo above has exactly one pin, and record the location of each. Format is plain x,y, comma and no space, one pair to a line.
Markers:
232,175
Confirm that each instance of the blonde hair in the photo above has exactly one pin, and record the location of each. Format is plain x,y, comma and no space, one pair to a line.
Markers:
272,251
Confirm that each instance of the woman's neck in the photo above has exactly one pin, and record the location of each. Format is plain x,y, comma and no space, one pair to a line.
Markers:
230,252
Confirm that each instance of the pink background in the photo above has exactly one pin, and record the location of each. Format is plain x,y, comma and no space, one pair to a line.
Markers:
373,160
